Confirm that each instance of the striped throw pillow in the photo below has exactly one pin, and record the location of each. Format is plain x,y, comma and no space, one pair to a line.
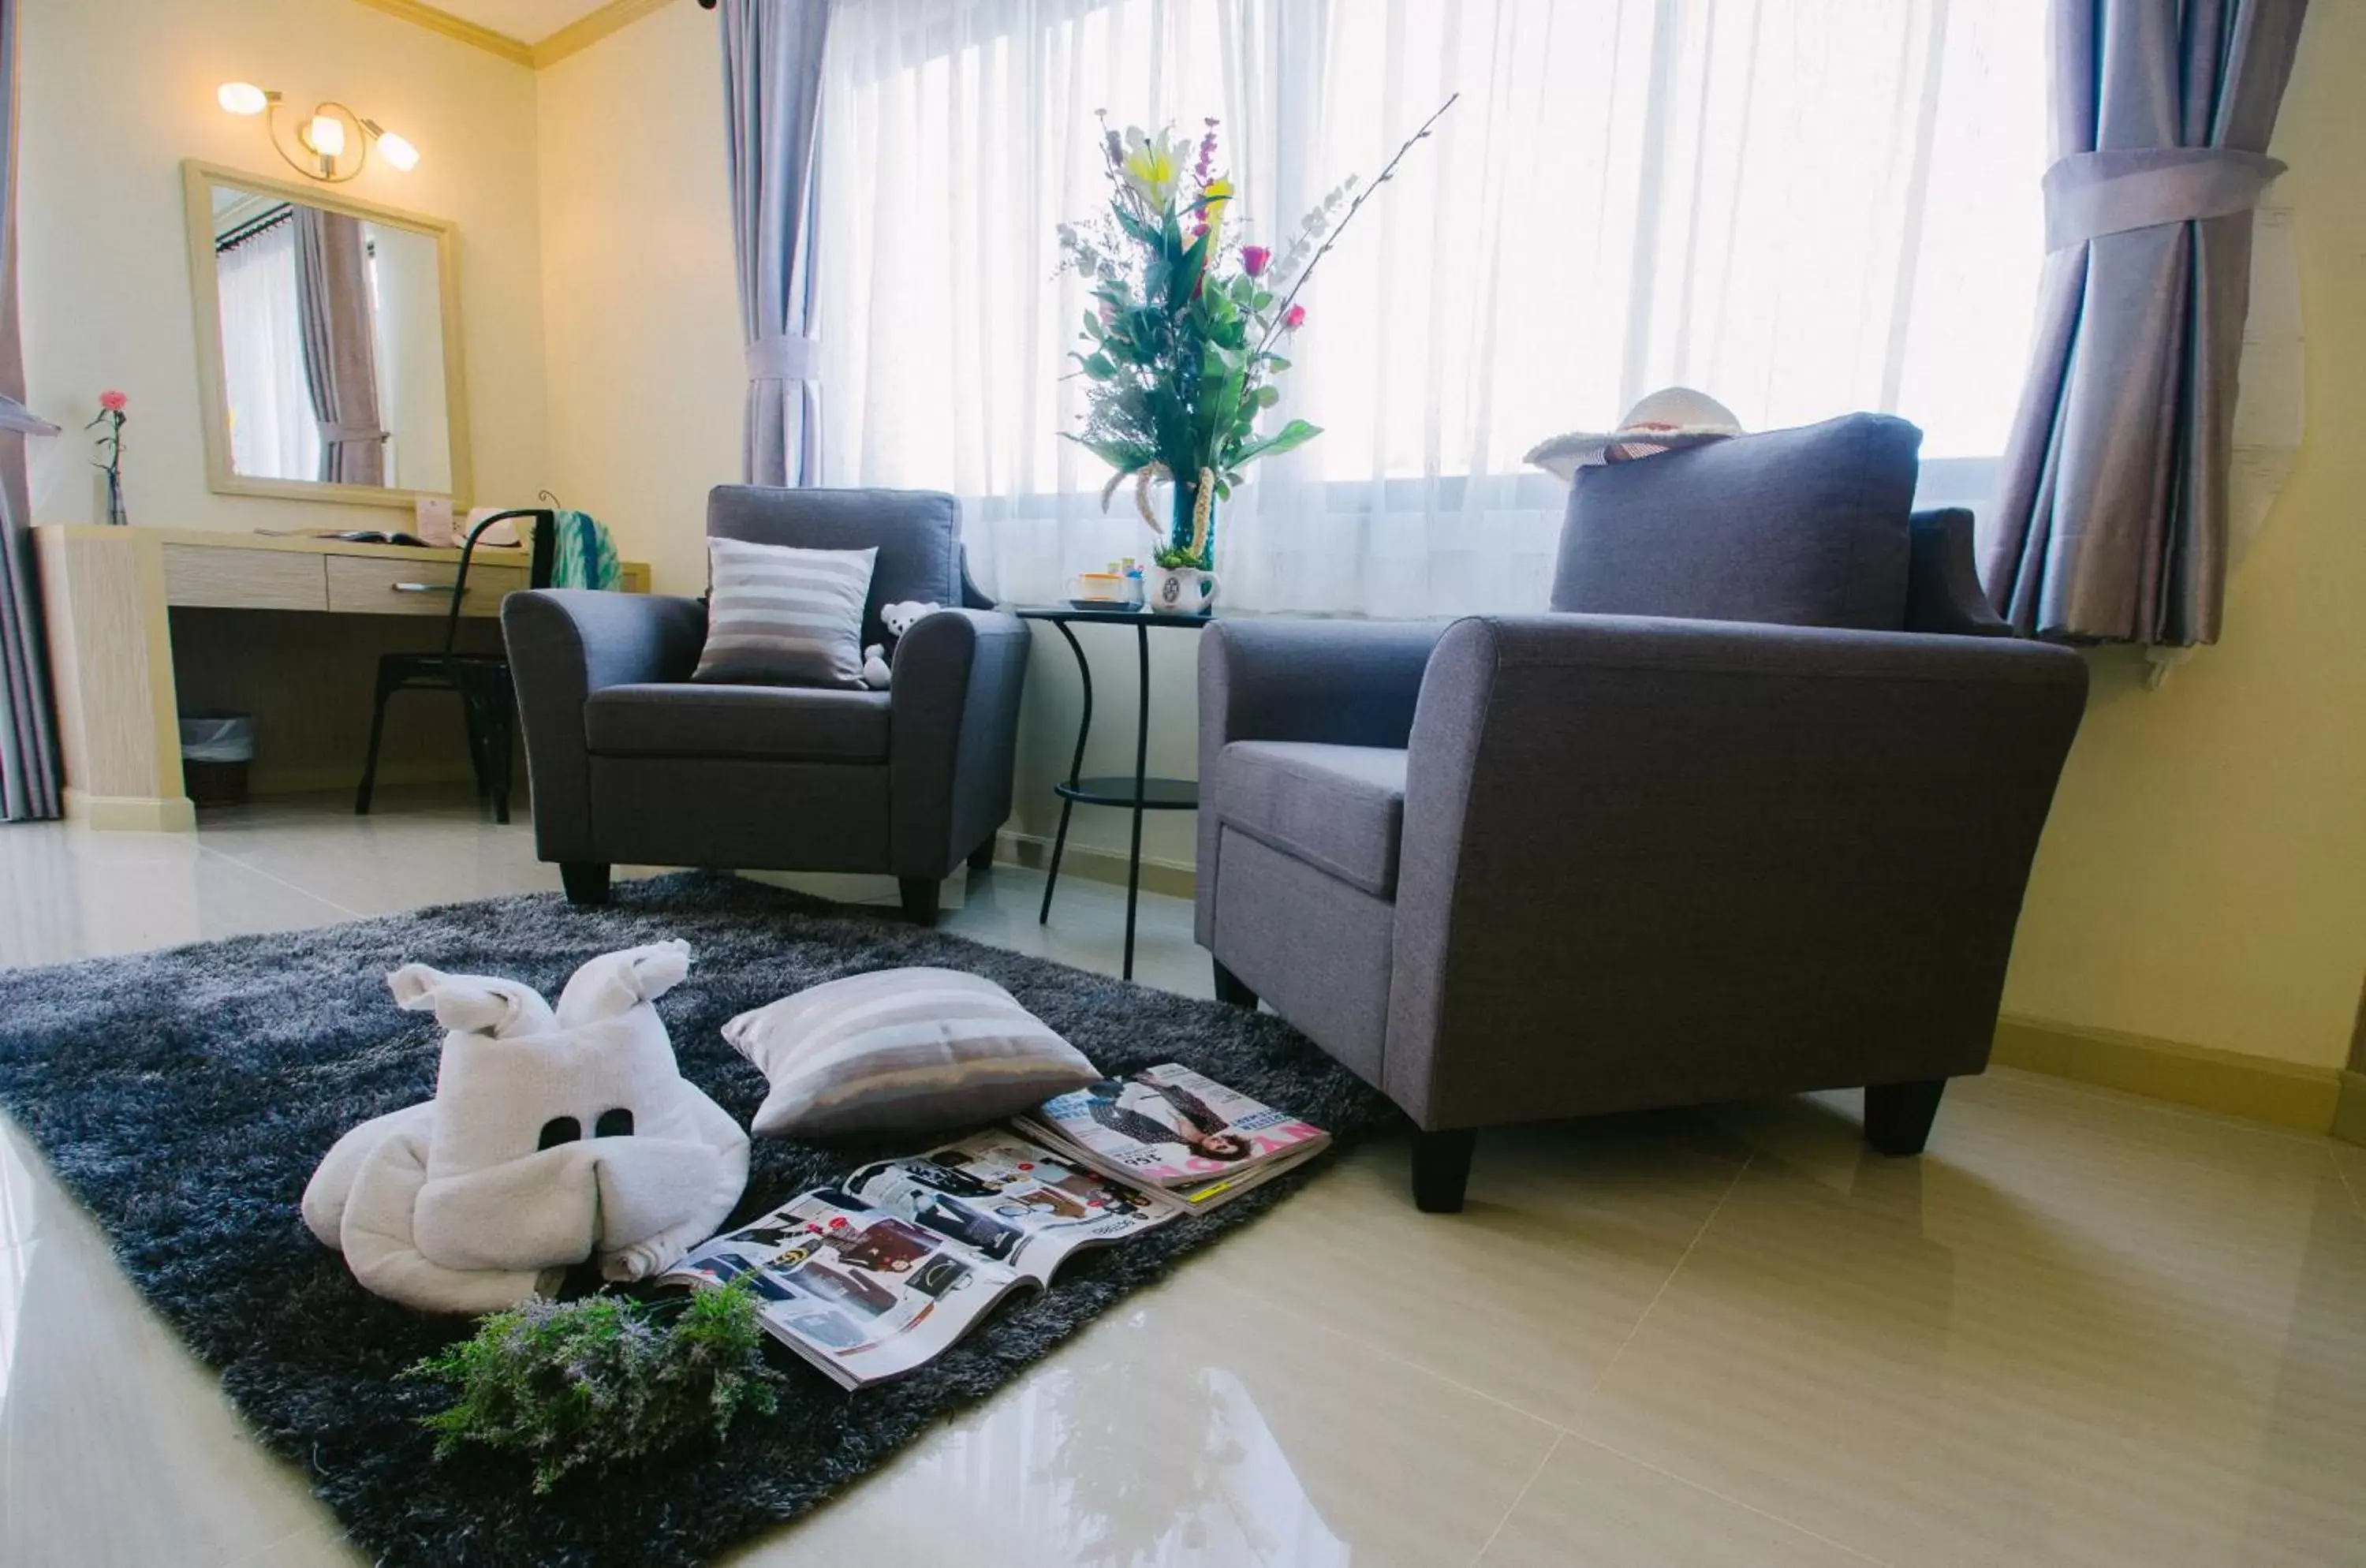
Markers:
780,617
902,1050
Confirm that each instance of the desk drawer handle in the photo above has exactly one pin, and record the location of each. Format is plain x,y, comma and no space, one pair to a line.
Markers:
425,588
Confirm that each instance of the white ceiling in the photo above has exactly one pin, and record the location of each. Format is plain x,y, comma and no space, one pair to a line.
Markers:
528,21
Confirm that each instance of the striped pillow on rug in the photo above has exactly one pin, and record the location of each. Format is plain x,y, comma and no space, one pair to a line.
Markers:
780,617
902,1050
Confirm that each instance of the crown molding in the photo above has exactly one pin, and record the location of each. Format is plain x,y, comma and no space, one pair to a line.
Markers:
584,31
575,37
452,26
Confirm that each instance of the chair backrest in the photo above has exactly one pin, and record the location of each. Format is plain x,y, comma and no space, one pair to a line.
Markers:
1803,528
916,532
542,552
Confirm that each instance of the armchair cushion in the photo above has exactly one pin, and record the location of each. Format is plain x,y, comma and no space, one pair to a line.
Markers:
917,534
1803,528
1338,809
783,614
789,723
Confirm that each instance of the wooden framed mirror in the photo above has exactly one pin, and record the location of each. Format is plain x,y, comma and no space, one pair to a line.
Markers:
328,344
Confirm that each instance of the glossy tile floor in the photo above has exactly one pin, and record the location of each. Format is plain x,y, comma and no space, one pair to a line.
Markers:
2083,1329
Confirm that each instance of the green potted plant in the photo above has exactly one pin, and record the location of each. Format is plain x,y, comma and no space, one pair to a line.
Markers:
1182,347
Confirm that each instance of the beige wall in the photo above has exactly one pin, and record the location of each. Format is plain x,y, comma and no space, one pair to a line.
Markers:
114,97
640,297
2203,878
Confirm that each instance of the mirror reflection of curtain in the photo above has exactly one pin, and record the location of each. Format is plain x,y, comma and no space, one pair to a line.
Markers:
273,432
340,360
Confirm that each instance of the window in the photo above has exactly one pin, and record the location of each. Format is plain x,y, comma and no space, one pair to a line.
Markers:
1803,206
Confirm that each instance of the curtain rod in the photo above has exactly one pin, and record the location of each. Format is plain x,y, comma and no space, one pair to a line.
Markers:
254,226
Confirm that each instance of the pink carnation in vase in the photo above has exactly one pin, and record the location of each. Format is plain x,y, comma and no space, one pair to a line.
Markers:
1295,320
113,402
1255,259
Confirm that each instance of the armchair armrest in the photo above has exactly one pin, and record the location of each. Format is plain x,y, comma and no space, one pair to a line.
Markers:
1343,682
564,644
1776,853
954,728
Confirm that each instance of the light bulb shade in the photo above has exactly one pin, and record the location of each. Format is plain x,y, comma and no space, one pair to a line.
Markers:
326,136
241,98
397,151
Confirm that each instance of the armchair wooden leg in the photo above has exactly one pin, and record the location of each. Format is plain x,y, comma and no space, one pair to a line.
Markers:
1441,1168
1898,1115
982,857
586,881
919,898
1231,989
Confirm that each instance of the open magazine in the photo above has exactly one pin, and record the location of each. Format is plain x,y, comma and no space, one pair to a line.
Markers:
1176,1131
875,1277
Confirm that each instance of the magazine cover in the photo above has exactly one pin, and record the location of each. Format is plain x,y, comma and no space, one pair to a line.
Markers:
862,1293
1010,1200
1172,1127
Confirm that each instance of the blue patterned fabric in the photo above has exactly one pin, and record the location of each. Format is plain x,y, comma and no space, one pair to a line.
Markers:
586,556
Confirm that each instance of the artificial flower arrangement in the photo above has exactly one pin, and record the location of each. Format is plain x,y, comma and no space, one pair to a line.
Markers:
1181,347
111,406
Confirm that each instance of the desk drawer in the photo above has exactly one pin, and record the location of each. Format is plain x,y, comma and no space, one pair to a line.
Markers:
373,585
243,580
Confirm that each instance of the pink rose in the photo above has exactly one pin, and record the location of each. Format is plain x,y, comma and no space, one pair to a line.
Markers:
1255,259
113,402
1295,320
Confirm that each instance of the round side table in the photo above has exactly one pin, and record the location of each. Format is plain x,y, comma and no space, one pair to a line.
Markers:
1138,793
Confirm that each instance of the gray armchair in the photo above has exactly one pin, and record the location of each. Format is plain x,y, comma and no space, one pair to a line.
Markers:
1754,818
630,761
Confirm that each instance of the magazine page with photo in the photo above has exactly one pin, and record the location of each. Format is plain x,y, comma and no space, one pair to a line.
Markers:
1174,1128
1011,1200
862,1293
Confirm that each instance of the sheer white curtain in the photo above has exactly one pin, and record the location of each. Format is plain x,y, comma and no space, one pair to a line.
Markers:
1803,206
272,432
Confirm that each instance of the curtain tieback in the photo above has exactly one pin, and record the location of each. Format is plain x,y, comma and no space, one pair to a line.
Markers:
786,356
2092,193
337,435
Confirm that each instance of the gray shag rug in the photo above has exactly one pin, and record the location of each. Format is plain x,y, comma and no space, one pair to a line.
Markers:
186,1096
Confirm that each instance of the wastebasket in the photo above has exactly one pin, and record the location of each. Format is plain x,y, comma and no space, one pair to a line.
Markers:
215,750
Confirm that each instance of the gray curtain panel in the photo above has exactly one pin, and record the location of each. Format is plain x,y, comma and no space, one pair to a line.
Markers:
772,106
332,297
29,741
2110,517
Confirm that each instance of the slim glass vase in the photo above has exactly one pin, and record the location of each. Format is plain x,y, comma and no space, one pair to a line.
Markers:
115,512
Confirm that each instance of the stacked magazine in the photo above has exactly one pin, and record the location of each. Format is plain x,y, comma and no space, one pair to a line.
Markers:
1172,1128
875,1277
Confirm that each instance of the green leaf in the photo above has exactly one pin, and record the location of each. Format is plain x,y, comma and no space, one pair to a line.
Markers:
1267,396
1093,325
1289,438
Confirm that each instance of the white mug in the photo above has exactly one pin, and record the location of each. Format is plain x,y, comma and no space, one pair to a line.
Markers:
1181,590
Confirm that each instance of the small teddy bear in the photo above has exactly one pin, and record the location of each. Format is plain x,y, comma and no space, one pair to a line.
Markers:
878,658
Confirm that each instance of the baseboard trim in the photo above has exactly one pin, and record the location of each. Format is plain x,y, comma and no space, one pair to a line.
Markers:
2283,1094
1169,877
2350,1109
130,813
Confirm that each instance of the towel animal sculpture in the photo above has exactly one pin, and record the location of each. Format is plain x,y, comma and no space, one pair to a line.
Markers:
554,1137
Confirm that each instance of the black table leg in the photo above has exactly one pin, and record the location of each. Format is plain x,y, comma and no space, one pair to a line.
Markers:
1141,783
1075,766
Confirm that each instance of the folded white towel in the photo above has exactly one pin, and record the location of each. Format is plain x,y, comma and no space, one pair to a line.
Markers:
554,1137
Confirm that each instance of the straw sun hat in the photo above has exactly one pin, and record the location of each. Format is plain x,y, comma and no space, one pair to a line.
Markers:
1670,419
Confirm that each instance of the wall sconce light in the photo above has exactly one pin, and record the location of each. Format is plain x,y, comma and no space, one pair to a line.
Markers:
333,143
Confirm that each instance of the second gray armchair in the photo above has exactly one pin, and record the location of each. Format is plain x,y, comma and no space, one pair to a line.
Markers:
1754,818
631,762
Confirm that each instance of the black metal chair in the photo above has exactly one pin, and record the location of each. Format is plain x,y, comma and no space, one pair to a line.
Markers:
488,700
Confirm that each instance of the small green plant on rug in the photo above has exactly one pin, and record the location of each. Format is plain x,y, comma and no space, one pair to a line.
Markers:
600,1382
